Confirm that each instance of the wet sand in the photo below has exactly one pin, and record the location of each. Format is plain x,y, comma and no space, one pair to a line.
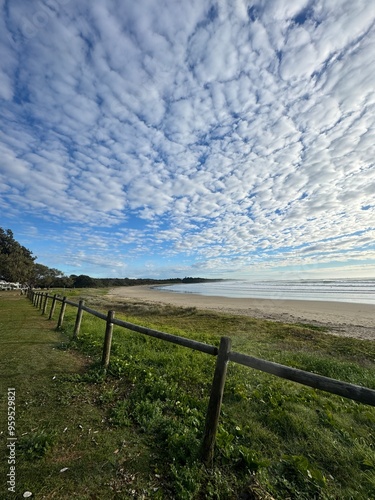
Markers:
341,318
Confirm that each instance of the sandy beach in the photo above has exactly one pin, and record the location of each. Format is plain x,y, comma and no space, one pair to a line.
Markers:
341,318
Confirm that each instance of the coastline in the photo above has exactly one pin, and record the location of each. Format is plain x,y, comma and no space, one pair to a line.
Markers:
340,318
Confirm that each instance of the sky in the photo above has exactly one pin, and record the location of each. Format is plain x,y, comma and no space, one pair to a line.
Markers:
161,138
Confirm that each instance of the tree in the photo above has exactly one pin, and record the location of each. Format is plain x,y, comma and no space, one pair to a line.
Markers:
45,276
16,261
84,281
63,282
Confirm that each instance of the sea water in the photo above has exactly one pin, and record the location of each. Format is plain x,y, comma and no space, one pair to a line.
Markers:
343,290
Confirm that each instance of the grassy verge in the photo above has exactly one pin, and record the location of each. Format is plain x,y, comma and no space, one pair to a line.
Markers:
65,448
276,439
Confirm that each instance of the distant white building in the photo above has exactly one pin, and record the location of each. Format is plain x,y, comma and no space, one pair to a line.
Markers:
7,285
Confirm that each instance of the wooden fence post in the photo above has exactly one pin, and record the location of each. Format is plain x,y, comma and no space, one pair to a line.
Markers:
214,405
35,296
45,303
53,306
108,340
77,325
62,312
40,300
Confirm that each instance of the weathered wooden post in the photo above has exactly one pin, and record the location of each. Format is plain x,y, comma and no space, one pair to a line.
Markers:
77,325
40,300
35,298
108,339
216,398
45,303
53,305
62,312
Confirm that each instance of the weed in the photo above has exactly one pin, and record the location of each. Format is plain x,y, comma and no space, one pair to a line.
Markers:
35,445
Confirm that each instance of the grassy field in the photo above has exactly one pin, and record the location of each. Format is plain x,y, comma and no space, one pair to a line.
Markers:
136,432
61,417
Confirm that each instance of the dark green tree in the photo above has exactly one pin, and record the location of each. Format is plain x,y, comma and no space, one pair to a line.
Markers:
63,282
16,261
84,281
45,276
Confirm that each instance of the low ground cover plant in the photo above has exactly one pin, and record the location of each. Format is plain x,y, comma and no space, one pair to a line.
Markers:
136,431
276,439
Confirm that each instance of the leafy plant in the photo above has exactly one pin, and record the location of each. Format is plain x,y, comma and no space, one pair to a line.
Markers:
36,445
274,435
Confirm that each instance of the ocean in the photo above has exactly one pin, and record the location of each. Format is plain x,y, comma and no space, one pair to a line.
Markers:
343,290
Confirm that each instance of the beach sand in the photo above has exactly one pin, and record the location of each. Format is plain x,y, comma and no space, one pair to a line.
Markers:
341,318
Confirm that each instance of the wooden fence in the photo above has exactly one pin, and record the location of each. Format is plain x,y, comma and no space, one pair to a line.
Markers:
223,353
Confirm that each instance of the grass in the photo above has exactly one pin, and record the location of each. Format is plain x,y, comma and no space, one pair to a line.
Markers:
276,439
60,420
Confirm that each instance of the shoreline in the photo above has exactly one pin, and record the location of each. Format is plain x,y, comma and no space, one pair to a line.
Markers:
341,318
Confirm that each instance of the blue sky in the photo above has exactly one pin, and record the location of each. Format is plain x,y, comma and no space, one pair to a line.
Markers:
164,138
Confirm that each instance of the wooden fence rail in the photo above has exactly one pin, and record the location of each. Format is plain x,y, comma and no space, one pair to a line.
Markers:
224,354
344,389
168,337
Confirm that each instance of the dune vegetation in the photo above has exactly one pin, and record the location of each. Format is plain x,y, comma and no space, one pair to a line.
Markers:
136,431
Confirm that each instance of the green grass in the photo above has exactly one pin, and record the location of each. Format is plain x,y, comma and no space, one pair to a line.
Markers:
276,439
60,419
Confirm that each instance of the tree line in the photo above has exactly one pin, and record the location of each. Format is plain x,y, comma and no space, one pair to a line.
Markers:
17,265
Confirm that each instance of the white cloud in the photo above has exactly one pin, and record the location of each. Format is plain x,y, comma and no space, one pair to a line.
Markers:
224,131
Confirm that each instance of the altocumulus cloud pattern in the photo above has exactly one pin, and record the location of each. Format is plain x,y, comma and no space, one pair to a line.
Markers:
229,138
